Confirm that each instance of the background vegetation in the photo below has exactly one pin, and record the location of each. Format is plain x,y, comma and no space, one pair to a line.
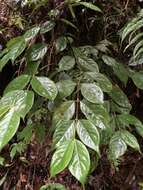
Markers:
71,94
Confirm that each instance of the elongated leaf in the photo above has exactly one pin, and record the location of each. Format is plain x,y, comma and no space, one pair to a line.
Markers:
4,61
92,93
31,33
65,130
101,79
80,164
62,157
88,134
18,83
44,87
118,68
90,6
130,140
127,119
36,52
138,79
16,46
8,127
119,97
134,25
65,87
64,112
136,38
47,26
66,63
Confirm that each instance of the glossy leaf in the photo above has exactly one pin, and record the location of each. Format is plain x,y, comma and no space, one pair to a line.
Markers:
65,130
117,147
36,52
80,164
96,114
4,60
62,157
101,79
87,64
16,46
47,26
92,93
19,100
130,140
88,134
65,87
44,87
19,83
66,63
8,127
31,33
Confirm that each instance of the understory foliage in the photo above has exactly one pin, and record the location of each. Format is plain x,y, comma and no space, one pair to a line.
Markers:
76,90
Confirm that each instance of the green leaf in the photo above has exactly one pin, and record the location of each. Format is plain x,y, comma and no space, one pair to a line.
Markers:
65,87
88,134
127,119
31,33
66,63
97,114
132,26
87,64
130,140
117,147
4,61
90,6
3,52
137,78
92,93
31,68
19,100
47,26
64,112
80,164
62,157
44,87
8,127
65,130
16,46
36,52
101,79
61,44
118,68
119,97
19,83
53,186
